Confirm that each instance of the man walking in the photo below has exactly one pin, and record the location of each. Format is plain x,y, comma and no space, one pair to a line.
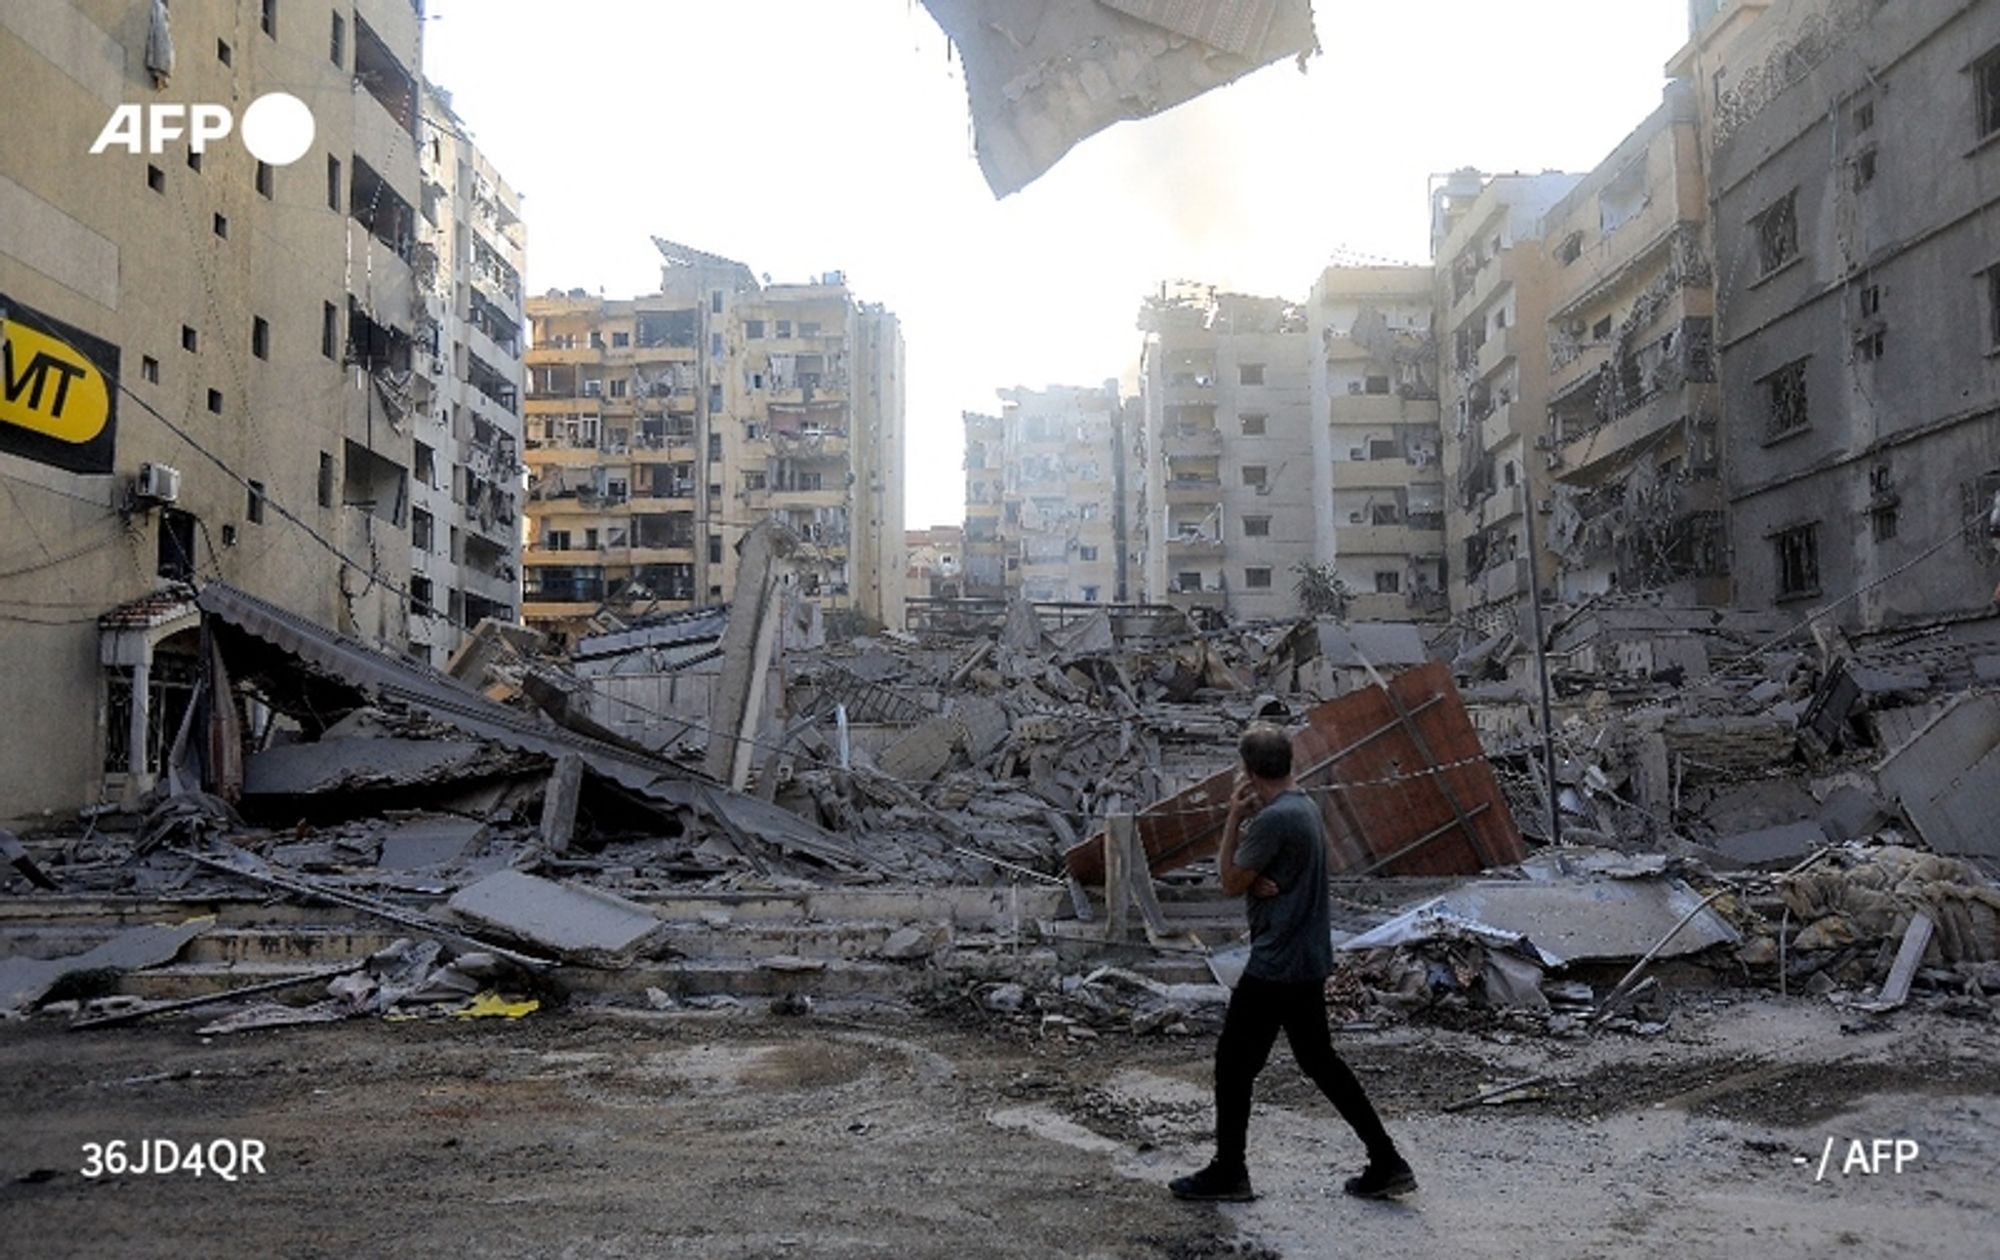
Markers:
1278,864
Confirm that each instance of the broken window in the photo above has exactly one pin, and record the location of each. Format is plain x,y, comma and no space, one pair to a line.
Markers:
1798,560
1570,249
1868,346
1778,233
1864,169
1601,330
378,71
175,558
325,480
1882,522
1993,306
422,592
1376,385
1257,579
753,329
1623,198
423,530
1388,583
1788,412
1864,116
1986,75
1256,527
253,511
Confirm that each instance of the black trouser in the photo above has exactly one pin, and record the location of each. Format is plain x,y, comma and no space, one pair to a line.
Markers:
1257,1010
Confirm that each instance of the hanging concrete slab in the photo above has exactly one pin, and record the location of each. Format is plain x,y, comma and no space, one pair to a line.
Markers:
564,919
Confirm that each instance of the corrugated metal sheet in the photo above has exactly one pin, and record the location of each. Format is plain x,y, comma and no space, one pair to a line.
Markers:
1402,793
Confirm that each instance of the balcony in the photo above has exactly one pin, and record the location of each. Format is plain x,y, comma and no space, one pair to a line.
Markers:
1500,346
1194,490
1384,540
824,496
1193,440
556,354
1195,545
1380,409
664,553
650,499
1504,581
1185,393
1384,474
1598,448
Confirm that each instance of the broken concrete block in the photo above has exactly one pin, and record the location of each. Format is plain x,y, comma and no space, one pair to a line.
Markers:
1849,813
909,944
1774,846
563,918
24,980
922,754
419,845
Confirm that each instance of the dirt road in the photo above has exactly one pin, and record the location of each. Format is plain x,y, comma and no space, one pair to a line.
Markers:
600,1134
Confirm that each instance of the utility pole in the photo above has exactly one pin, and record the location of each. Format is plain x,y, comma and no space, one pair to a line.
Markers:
1541,664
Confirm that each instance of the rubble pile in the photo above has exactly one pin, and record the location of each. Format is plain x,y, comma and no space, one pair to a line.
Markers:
1013,811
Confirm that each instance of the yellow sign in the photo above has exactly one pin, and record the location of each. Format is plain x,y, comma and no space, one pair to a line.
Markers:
58,403
48,386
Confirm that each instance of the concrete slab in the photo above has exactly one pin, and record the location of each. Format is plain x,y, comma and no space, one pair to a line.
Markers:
23,981
566,919
417,846
1774,846
1848,813
336,764
1578,921
1947,777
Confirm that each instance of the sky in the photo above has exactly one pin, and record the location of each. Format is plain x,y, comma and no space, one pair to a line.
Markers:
805,136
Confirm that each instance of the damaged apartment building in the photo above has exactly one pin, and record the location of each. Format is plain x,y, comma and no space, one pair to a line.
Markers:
1044,479
1852,163
1375,441
287,378
662,428
1633,440
1492,294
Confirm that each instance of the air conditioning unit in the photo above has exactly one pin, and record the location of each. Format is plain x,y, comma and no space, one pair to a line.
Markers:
1543,442
158,483
1555,460
1354,387
1545,506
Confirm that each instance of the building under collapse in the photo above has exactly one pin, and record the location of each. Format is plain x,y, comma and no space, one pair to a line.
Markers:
662,428
287,377
1634,411
1492,286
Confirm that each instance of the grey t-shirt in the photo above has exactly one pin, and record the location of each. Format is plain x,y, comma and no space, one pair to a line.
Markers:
1291,934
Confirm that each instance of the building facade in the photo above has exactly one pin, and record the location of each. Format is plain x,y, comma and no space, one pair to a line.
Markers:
1854,163
1634,408
1226,381
249,354
1493,299
1380,497
985,501
662,428
465,463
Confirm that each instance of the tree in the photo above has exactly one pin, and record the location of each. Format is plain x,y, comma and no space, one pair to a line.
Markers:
1321,592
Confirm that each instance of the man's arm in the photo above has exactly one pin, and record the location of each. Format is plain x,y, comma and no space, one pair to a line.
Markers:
1237,880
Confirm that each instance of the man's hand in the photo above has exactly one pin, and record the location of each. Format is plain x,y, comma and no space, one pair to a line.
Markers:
1244,801
1264,889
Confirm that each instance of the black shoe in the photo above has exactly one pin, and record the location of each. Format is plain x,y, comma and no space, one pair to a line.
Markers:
1383,1179
1214,1184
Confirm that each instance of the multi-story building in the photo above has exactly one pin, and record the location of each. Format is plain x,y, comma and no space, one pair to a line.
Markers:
1633,406
1854,166
985,500
1132,519
1057,519
1226,380
465,464
662,428
1376,443
239,341
937,562
1493,301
